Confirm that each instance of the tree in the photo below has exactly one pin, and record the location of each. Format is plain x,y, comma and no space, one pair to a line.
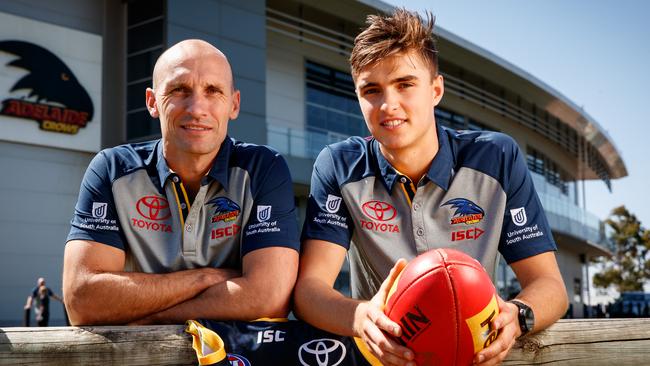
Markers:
629,268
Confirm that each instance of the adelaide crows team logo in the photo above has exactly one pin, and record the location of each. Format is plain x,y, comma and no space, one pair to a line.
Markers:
56,99
226,209
467,212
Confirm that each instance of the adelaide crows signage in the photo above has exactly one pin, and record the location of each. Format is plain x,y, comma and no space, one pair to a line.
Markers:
50,84
61,105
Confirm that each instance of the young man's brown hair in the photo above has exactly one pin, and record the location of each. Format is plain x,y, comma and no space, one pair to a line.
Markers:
386,35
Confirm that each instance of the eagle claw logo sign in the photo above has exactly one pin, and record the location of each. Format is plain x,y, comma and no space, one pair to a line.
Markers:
226,210
61,105
467,212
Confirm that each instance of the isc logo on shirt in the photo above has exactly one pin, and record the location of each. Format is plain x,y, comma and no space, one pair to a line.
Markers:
270,336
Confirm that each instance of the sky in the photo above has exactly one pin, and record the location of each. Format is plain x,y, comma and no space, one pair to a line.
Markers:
594,52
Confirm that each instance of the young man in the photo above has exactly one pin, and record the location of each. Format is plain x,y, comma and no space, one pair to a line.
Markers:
189,226
411,188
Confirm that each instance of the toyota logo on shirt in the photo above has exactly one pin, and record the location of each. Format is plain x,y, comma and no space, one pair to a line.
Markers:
322,352
379,210
153,208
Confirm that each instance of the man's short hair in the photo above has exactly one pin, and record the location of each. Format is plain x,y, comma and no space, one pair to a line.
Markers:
386,35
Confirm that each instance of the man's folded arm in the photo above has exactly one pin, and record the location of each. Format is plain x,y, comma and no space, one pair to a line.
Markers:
97,290
262,291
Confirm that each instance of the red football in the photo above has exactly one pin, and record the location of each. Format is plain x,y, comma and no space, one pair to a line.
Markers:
444,301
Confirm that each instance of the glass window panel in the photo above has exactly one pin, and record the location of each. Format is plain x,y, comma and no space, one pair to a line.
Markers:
141,66
140,124
338,102
141,10
136,95
145,36
336,122
317,117
315,69
335,94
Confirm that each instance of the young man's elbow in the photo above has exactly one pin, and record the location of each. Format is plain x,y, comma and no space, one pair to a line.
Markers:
300,300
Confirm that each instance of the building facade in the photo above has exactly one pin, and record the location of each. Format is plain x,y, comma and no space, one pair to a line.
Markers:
289,60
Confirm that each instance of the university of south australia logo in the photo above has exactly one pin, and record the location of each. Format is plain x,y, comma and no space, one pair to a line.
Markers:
55,99
263,213
99,210
519,216
333,203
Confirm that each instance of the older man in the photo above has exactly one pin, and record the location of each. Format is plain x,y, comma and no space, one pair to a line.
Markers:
189,226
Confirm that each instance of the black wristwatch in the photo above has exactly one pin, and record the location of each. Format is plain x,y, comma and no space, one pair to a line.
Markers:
525,316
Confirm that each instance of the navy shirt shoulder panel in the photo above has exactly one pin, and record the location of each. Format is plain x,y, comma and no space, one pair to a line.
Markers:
125,159
95,193
258,160
271,185
351,160
492,153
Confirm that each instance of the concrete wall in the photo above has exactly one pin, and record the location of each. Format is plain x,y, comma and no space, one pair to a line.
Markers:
569,262
285,87
40,185
84,15
37,193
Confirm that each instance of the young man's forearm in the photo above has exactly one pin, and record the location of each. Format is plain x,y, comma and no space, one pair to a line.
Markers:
325,308
538,294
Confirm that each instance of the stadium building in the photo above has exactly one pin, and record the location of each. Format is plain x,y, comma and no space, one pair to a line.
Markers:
72,81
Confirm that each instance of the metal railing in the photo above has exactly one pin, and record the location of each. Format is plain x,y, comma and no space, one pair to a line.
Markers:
566,216
302,143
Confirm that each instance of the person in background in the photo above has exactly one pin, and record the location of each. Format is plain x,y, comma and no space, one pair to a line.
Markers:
40,301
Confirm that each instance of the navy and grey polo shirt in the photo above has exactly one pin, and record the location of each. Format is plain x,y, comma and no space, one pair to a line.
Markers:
130,199
477,197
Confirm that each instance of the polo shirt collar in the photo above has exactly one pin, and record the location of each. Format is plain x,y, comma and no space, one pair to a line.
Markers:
220,167
220,170
440,171
388,173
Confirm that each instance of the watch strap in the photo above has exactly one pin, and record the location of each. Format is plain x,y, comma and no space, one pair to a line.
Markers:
523,313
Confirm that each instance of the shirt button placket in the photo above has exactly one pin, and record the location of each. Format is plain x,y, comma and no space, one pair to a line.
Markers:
418,226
